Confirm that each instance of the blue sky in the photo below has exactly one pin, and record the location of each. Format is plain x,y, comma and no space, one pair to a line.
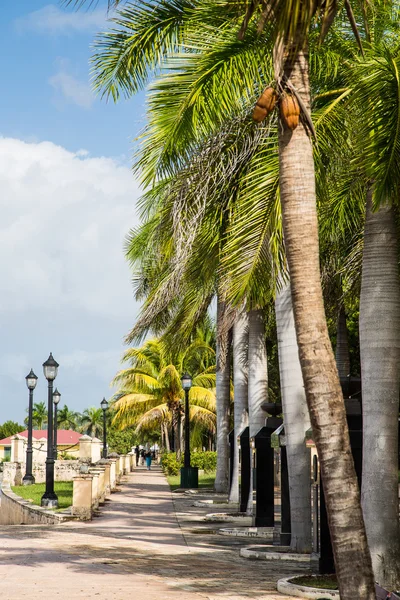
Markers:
67,199
43,58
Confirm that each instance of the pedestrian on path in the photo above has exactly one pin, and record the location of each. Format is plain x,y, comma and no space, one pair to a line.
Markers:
148,460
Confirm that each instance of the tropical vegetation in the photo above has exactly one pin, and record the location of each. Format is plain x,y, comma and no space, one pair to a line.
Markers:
295,212
150,392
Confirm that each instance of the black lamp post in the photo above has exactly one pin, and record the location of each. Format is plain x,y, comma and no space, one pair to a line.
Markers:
49,498
28,478
104,406
189,475
56,400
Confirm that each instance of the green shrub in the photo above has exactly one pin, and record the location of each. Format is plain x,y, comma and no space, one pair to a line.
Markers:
66,456
170,465
203,460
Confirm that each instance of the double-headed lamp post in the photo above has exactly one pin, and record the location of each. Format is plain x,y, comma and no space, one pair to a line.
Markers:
56,400
104,406
189,475
28,478
49,498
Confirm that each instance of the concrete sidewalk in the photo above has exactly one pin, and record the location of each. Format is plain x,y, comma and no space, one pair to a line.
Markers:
134,549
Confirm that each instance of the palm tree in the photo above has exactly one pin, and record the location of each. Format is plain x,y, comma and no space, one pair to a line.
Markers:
223,397
258,381
67,419
39,415
240,384
150,391
301,239
91,421
296,419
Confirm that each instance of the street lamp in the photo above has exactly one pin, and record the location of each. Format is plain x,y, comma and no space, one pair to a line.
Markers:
189,475
28,478
56,400
104,406
49,498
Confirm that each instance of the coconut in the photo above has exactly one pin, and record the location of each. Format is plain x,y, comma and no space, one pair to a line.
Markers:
259,113
290,110
268,99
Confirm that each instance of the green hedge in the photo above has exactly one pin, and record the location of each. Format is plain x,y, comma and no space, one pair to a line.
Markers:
203,460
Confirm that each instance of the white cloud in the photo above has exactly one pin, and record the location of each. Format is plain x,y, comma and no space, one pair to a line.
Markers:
64,219
51,19
72,90
90,363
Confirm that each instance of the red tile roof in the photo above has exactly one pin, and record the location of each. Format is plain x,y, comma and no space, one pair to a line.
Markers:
65,437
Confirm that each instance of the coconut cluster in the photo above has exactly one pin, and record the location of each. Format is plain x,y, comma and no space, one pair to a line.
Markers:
288,106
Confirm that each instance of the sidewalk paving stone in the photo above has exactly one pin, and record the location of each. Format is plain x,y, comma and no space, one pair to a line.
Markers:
146,544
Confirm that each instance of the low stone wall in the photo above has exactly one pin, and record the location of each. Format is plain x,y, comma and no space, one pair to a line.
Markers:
14,510
65,470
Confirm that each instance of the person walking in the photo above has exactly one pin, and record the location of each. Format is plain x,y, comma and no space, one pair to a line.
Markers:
148,460
137,454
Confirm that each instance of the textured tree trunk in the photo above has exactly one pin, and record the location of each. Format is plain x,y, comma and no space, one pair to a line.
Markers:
296,420
221,484
342,355
380,356
258,382
240,342
166,437
321,381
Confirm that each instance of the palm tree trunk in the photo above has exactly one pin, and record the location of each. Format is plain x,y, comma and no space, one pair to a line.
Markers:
296,420
342,355
321,381
258,382
166,437
380,356
223,378
240,341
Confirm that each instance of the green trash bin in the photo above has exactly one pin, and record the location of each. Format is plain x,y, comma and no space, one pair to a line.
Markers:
189,477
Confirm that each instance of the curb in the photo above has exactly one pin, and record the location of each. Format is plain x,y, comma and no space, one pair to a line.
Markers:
301,591
257,553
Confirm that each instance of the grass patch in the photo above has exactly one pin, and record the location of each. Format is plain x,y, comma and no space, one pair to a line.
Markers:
324,582
205,481
34,492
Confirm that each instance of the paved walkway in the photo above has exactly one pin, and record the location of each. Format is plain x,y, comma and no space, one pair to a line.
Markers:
135,549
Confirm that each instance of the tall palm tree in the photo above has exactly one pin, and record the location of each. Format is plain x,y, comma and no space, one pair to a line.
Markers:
150,391
380,358
297,188
39,415
91,421
296,419
223,393
258,381
240,384
67,419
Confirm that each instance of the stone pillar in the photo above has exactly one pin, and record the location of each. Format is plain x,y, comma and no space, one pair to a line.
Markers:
106,463
113,474
101,494
85,448
95,489
82,497
116,456
133,458
18,449
97,446
127,463
127,468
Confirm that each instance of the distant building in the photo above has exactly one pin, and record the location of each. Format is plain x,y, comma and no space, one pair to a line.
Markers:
67,442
